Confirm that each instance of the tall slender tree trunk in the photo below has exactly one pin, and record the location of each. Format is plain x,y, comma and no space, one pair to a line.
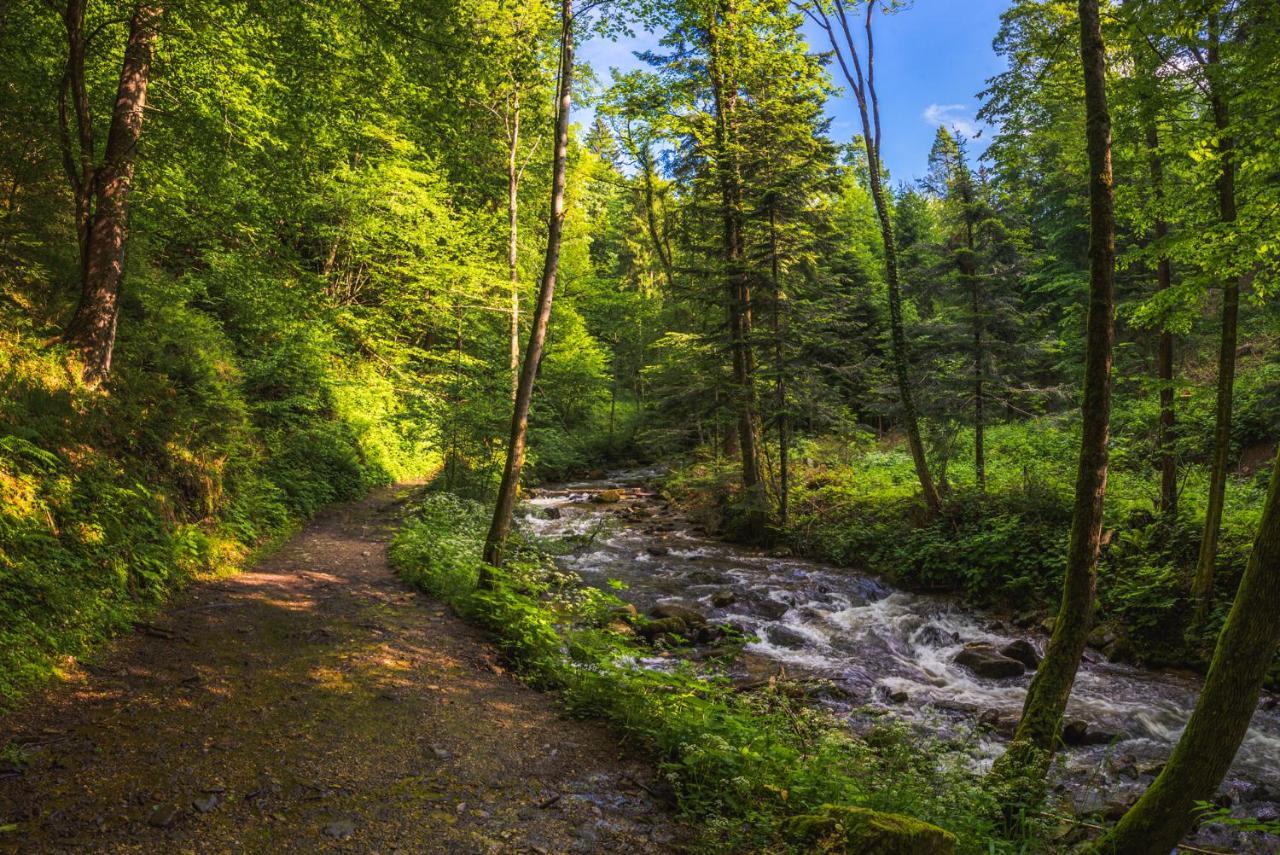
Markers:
1164,357
1246,648
78,163
660,246
864,91
898,336
737,280
970,271
780,369
1202,583
93,329
1037,733
500,527
513,238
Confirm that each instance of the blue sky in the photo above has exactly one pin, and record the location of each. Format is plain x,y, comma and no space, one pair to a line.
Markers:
932,59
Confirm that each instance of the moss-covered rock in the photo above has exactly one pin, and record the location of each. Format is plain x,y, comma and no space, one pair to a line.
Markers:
861,831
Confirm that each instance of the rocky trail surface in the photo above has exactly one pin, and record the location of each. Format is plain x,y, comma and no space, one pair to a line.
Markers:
315,703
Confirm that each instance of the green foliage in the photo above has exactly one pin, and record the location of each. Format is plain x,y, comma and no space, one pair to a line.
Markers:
742,764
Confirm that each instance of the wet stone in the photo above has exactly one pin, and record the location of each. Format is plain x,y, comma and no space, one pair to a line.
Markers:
785,636
721,599
985,661
1023,651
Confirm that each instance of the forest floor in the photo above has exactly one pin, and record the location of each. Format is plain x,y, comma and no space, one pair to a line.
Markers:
316,703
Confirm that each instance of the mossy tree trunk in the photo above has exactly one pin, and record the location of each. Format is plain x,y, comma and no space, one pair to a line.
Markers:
863,88
1038,731
500,526
1246,648
1202,582
93,329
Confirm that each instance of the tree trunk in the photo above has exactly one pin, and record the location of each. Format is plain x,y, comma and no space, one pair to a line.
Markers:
1164,359
78,163
1204,753
1202,583
1037,733
651,218
864,90
500,527
513,242
898,336
779,359
970,270
93,329
738,284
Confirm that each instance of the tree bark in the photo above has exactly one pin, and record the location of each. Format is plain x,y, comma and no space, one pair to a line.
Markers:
1204,753
500,526
1202,583
738,284
93,329
1038,731
969,268
651,218
1164,359
864,91
78,163
513,238
780,388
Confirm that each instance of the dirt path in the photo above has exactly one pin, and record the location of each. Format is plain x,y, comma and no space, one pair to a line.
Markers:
316,703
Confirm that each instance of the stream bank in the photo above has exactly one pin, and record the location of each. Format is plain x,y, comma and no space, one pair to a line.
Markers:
880,653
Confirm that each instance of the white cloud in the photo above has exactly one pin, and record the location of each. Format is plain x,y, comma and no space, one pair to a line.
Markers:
954,116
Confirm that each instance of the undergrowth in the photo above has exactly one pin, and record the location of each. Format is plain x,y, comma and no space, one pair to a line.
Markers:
854,503
742,764
199,451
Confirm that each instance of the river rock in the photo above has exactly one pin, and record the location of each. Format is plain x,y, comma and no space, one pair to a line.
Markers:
607,497
1023,651
839,828
623,611
657,551
721,599
1077,733
687,615
769,609
985,661
1101,638
785,636
665,629
553,513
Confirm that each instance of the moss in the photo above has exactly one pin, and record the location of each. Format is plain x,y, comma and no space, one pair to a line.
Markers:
839,828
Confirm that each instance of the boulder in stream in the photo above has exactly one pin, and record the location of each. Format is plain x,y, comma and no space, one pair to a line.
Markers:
607,497
785,636
691,616
721,599
1024,651
1077,733
839,828
769,608
985,661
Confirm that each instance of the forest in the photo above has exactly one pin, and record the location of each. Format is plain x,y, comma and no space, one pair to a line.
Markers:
550,426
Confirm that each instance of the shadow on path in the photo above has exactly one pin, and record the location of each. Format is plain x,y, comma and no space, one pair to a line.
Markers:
316,703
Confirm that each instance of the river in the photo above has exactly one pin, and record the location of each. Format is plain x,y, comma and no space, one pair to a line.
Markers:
891,653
